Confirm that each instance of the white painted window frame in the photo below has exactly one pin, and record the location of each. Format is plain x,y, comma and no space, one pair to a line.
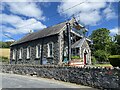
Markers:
14,54
20,53
28,53
49,49
38,56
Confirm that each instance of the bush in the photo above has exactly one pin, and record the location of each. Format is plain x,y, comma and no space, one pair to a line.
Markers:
93,60
115,60
75,57
101,56
4,59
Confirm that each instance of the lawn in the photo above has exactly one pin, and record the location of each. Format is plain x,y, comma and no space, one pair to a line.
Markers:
103,65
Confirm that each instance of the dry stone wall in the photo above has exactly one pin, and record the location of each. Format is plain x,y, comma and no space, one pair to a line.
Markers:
95,77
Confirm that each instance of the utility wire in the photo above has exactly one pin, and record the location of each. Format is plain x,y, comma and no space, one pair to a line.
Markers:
49,17
67,9
9,37
52,15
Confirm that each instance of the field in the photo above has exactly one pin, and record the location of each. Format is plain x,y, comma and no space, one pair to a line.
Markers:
5,52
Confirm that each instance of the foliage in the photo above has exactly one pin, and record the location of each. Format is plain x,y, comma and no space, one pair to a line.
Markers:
93,59
102,45
75,57
115,49
117,39
114,56
101,39
4,59
5,44
115,46
115,60
101,55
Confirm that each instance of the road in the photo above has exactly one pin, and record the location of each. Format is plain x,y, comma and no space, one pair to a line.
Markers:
20,81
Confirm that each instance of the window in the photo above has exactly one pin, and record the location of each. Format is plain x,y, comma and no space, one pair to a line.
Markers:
50,49
28,52
14,55
38,51
20,53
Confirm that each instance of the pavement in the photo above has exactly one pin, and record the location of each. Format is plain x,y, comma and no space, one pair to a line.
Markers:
21,81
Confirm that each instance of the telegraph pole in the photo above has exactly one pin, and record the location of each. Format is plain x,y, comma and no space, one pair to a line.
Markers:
68,40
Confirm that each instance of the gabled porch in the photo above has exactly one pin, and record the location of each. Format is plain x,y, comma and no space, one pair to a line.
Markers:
81,49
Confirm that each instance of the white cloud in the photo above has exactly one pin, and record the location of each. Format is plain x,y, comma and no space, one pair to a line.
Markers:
91,18
9,40
89,11
13,24
21,26
2,36
16,0
29,9
11,19
114,31
109,13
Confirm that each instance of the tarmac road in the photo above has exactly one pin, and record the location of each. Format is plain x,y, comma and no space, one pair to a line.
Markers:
20,81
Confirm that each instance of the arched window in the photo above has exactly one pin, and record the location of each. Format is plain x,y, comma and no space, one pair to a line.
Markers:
20,53
38,51
50,49
14,54
28,52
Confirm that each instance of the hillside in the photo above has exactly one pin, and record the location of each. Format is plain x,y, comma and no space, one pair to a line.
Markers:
5,52
5,44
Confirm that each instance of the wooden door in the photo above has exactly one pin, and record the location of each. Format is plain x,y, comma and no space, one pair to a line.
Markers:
85,58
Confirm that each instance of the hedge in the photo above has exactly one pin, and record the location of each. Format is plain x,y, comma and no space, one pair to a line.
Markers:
115,60
4,59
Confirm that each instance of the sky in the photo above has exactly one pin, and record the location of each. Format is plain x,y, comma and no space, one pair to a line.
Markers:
18,17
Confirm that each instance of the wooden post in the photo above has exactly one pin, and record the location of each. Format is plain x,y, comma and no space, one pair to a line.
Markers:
68,40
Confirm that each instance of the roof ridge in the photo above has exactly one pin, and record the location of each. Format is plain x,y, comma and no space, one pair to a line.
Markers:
41,33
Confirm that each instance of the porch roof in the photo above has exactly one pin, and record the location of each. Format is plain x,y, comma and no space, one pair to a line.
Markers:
79,43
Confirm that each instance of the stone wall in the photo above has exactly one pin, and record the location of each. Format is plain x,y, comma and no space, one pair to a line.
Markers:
93,77
32,45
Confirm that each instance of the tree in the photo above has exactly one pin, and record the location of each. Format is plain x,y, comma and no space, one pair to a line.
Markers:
5,44
115,46
117,39
101,47
101,39
101,55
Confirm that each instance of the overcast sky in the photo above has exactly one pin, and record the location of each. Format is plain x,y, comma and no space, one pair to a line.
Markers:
18,18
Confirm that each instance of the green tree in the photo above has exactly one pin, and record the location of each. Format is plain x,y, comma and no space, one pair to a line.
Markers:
101,47
117,39
5,44
115,46
101,39
101,56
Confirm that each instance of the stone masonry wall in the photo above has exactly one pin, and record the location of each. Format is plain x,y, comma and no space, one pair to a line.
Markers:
94,77
32,45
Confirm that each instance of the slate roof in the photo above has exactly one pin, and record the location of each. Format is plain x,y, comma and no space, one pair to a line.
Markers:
79,43
41,33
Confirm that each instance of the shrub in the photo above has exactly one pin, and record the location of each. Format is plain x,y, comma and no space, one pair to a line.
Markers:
4,59
115,60
101,55
93,60
75,57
